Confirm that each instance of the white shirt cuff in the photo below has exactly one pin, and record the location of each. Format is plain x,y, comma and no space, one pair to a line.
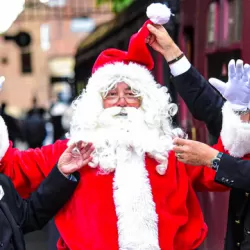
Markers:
180,67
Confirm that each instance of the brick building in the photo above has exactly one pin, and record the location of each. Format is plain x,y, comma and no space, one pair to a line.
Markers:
49,59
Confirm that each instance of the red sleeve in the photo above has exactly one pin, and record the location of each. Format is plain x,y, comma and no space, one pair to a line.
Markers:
203,178
28,168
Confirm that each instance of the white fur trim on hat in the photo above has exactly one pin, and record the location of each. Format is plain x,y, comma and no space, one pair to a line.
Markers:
235,134
4,138
137,76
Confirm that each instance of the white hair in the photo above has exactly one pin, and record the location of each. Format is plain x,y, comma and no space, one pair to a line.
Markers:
156,112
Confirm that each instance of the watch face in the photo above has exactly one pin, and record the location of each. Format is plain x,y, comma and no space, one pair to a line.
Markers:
216,163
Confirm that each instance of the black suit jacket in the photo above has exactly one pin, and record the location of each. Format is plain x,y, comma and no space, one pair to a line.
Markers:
19,216
205,104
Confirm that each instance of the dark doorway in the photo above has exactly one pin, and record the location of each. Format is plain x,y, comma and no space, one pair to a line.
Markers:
217,63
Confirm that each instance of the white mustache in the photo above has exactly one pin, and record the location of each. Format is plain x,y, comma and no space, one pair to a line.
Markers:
111,116
118,111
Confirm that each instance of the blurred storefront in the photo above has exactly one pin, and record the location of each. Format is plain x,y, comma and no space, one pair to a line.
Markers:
116,34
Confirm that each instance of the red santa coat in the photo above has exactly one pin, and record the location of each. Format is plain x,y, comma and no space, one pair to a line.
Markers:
89,221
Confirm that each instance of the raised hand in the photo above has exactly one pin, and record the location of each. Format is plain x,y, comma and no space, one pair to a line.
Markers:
237,89
75,157
161,42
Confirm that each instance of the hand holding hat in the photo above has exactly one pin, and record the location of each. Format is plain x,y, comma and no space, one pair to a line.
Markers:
237,89
138,51
159,39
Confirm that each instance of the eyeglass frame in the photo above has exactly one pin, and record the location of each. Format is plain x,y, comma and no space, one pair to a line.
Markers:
117,98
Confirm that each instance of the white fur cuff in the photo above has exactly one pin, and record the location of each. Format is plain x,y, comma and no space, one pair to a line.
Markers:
4,138
235,134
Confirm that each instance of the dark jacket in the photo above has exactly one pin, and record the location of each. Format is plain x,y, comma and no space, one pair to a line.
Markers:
205,104
19,216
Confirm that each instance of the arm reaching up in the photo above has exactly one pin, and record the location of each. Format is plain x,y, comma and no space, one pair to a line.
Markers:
202,100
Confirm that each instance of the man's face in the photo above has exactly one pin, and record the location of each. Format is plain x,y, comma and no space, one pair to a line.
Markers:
121,96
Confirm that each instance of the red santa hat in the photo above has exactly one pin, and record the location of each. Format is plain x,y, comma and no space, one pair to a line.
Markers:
138,53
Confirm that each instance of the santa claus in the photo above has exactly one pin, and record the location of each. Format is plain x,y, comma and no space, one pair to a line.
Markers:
133,194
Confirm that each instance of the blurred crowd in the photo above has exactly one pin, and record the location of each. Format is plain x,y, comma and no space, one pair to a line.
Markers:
38,126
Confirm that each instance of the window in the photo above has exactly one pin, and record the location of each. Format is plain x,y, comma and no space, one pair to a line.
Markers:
45,36
212,22
26,63
232,21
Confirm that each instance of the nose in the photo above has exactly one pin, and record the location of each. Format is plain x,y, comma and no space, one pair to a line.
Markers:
121,102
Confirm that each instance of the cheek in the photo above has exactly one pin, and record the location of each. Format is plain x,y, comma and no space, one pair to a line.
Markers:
107,104
244,118
135,105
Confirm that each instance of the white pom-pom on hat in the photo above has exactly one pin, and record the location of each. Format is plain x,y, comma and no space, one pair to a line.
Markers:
158,13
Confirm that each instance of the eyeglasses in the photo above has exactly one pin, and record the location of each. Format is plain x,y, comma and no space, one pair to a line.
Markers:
129,97
242,112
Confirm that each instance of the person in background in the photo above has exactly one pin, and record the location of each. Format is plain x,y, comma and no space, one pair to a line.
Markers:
34,126
20,216
57,111
206,102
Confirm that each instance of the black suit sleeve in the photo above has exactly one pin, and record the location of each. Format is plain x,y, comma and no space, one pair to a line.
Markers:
234,172
44,203
202,100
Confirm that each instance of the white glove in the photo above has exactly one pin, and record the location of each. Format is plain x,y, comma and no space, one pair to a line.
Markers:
237,89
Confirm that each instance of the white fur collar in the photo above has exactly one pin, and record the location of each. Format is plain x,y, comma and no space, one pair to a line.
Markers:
135,208
235,134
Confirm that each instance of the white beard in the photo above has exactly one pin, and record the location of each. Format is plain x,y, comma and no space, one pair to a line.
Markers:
235,134
127,135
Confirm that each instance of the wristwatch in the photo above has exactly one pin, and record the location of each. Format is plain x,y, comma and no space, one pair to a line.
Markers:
71,177
215,162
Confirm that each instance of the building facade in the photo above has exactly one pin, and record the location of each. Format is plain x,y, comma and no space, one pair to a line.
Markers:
55,32
213,32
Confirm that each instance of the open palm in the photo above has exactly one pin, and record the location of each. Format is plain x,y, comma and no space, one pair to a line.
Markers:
75,157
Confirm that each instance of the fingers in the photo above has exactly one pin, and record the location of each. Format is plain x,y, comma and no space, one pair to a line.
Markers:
70,148
84,149
246,74
178,149
84,145
231,69
83,162
86,152
153,30
179,141
239,69
247,69
150,39
218,84
180,145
